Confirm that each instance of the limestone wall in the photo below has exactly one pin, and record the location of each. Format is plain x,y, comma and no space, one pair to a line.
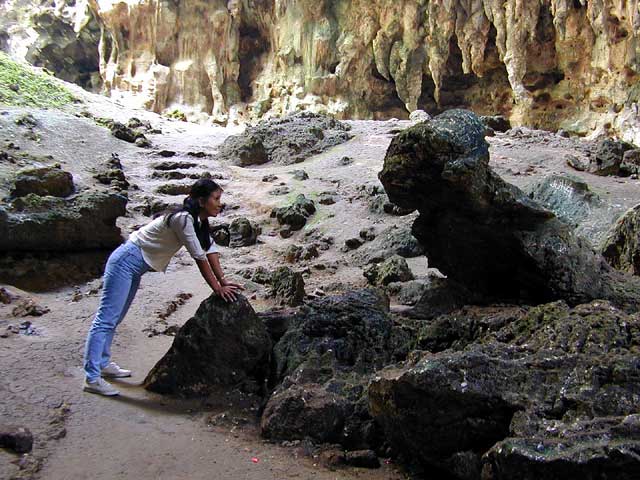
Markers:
569,64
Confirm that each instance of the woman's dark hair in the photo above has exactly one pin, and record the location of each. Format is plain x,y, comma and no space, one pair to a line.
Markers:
199,190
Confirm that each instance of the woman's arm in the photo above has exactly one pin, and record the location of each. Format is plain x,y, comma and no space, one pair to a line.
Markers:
226,292
214,261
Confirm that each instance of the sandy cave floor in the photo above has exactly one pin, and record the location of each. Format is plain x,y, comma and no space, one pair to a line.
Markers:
143,435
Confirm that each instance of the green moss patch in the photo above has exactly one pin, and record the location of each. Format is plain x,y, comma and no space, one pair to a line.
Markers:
19,86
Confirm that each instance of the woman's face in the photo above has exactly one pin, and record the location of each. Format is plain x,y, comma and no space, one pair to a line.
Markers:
212,206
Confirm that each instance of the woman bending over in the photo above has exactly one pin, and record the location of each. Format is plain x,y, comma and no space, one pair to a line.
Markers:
151,248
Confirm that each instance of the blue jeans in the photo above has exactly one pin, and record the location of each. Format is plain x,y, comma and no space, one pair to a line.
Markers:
122,276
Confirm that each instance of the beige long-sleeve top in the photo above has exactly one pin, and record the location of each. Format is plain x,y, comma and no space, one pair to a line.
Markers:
159,242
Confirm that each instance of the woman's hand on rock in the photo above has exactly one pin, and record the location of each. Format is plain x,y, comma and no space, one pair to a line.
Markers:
226,283
228,293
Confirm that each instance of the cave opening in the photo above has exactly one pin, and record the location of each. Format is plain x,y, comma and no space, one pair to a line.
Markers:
382,97
487,94
253,46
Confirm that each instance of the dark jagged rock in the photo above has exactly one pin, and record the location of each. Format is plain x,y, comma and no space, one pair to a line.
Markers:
607,157
18,439
458,328
554,375
330,347
142,141
220,234
287,286
409,292
393,269
622,245
630,163
244,150
281,190
575,163
395,240
151,207
368,234
259,275
287,140
170,175
242,233
583,450
381,204
123,132
442,295
165,153
83,222
296,214
174,189
485,233
113,174
43,181
497,123
131,132
222,345
363,459
173,165
72,55
304,411
300,175
296,252
352,326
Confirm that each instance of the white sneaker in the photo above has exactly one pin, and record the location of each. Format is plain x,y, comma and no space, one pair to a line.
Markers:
100,387
114,371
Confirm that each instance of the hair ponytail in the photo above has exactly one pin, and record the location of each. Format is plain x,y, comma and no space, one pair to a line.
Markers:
191,204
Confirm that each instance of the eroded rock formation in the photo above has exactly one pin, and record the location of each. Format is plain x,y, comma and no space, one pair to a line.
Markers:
485,233
544,62
548,395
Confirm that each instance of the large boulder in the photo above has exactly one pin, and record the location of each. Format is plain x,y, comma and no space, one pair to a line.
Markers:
244,150
621,247
83,222
553,394
286,140
485,233
224,345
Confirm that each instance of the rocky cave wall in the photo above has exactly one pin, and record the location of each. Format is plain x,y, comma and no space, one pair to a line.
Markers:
569,64
43,32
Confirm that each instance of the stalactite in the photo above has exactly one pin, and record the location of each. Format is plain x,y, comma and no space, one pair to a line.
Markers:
370,57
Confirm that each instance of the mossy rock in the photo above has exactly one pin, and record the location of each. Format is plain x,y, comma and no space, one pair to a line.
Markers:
43,181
